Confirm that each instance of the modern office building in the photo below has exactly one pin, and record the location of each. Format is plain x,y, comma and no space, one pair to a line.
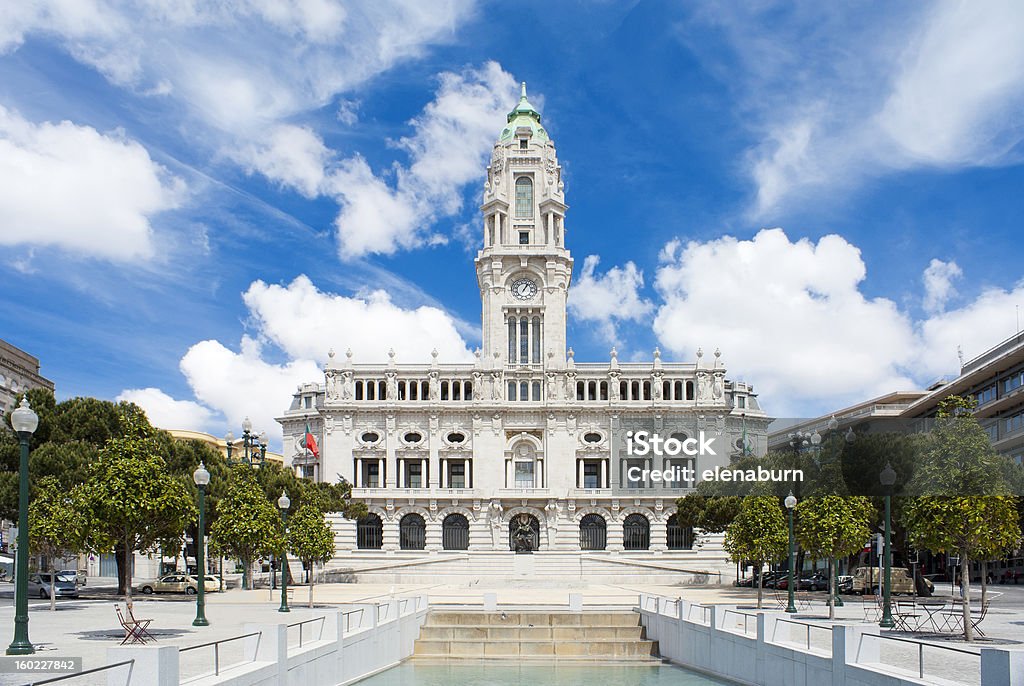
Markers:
525,446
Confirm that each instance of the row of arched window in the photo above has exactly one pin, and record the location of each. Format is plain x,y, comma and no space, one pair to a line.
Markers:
414,389
636,533
635,390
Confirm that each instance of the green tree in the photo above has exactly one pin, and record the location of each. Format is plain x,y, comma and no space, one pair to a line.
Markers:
758,534
832,527
248,524
57,524
963,502
133,503
710,514
310,539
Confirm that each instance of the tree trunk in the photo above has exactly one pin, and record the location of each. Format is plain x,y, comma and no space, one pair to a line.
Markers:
831,588
53,587
965,579
119,563
760,584
312,581
128,559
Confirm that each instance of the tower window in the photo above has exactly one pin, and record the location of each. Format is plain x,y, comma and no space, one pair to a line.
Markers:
524,238
524,197
523,143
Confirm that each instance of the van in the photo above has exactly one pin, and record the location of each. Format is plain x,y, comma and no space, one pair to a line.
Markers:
866,580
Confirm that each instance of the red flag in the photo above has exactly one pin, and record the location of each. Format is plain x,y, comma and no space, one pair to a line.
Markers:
309,442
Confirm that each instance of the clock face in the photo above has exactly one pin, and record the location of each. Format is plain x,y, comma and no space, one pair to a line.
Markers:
524,289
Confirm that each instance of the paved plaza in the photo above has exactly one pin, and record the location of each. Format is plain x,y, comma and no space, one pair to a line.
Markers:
87,627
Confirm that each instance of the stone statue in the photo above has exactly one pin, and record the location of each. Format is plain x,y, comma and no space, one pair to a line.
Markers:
478,390
346,385
332,386
496,386
552,387
435,386
391,385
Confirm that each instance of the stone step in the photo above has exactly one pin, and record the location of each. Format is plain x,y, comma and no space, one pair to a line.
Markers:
558,633
497,648
533,619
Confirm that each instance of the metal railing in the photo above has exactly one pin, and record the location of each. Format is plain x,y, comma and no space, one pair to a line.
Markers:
807,630
920,650
348,627
67,677
746,620
705,612
216,649
302,625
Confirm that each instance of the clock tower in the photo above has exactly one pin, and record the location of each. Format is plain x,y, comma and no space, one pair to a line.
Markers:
524,269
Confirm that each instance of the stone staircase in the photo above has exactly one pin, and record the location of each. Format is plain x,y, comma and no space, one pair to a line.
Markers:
556,569
525,635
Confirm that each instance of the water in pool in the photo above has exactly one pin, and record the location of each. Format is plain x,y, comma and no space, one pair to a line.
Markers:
512,674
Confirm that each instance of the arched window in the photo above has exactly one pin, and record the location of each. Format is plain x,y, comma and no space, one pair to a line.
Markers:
679,537
636,533
369,533
512,347
593,533
524,197
689,390
512,390
536,390
535,325
412,532
455,532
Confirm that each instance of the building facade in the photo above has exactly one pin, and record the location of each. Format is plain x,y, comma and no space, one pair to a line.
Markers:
525,445
19,372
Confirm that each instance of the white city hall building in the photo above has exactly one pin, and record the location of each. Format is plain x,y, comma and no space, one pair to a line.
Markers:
525,444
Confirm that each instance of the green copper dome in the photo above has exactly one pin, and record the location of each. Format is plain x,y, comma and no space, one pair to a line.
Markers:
524,114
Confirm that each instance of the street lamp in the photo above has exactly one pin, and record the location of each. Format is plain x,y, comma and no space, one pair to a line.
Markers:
888,478
24,421
283,503
801,440
254,448
790,504
202,478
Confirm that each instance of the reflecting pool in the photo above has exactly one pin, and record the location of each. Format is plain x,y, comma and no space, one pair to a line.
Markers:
536,674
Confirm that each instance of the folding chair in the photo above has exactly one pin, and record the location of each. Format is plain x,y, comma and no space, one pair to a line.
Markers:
133,631
872,612
141,623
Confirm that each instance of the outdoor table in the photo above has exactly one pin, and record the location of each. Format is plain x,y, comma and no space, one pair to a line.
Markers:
933,608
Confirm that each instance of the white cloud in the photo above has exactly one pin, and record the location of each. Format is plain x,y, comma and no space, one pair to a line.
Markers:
448,149
243,384
938,284
609,298
165,412
977,326
791,317
78,189
305,322
839,95
291,155
241,65
299,324
788,316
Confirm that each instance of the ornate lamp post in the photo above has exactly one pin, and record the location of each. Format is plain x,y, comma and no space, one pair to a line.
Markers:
24,421
888,478
790,504
254,448
283,503
202,478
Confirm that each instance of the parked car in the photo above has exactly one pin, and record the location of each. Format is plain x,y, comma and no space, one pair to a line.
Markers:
77,576
844,583
866,580
179,583
39,585
813,582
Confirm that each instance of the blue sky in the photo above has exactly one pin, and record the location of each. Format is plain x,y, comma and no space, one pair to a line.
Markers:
196,203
